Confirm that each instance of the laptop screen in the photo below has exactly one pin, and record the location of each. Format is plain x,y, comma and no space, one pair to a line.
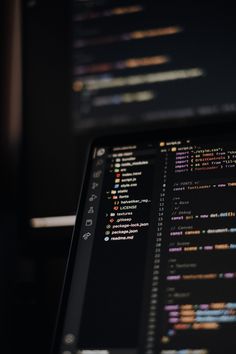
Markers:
153,259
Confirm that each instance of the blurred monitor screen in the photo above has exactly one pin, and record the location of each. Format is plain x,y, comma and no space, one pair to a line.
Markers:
141,61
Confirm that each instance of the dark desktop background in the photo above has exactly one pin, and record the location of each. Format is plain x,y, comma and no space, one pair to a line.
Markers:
43,175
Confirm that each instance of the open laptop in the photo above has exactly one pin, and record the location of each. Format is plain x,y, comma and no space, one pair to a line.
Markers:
152,265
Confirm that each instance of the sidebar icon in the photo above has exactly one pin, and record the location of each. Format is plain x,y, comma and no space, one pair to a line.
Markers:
92,203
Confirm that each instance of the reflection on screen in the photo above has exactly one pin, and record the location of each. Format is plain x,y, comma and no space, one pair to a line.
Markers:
155,271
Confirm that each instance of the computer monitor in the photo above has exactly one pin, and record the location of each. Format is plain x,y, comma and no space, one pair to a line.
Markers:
167,60
145,61
152,264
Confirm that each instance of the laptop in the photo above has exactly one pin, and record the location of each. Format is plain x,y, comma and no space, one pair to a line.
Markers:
152,263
